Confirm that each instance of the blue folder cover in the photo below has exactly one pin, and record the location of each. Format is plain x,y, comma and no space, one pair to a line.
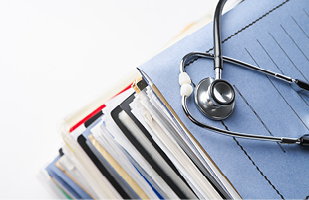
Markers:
273,35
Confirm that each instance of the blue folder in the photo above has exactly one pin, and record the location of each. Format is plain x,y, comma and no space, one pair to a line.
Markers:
273,35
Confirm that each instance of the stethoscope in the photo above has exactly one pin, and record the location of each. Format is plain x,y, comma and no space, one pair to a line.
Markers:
215,97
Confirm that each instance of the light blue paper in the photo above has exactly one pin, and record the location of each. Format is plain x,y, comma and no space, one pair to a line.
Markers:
66,181
272,35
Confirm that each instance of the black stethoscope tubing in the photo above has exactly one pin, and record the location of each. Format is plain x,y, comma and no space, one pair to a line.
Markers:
231,133
218,66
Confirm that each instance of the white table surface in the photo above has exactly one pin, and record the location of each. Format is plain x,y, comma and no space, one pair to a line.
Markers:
57,56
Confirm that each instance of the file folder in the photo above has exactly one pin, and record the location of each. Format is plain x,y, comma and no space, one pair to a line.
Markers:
273,35
269,34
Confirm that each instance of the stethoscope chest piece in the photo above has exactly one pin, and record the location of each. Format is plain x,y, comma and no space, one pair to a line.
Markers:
215,98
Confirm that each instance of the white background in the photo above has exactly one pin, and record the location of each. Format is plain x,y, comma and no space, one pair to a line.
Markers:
57,56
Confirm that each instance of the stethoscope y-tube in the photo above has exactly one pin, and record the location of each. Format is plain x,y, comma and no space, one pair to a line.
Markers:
215,97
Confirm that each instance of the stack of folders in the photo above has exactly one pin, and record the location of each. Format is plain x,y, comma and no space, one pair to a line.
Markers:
133,148
136,142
